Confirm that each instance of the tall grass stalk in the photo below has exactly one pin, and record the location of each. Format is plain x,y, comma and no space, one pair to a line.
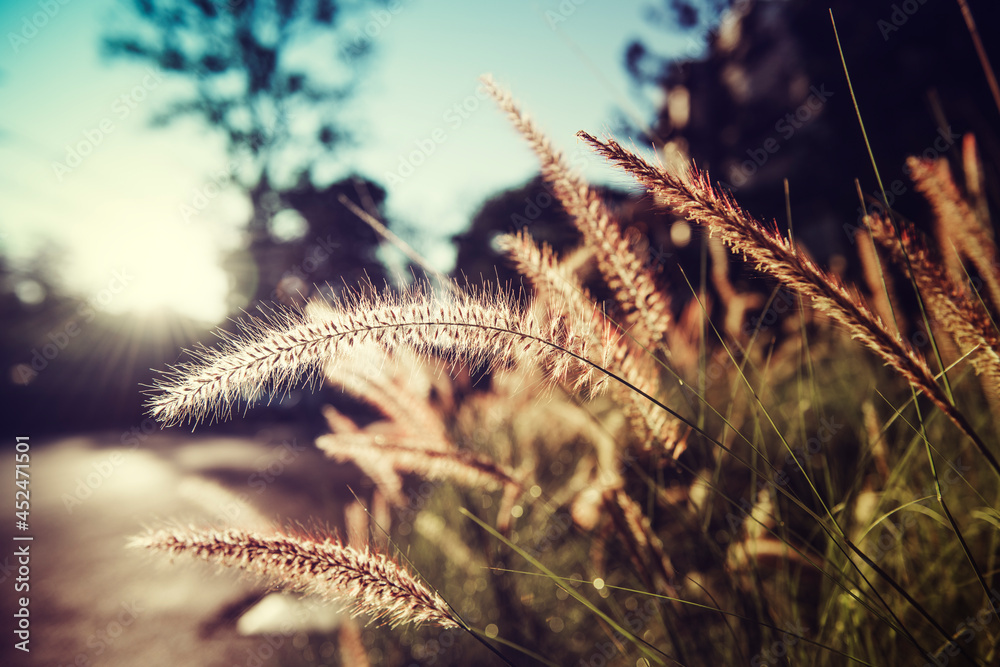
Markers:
753,496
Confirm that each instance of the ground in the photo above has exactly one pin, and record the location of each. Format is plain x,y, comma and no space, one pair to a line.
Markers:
93,601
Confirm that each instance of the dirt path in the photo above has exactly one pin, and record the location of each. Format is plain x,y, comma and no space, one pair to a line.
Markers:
95,602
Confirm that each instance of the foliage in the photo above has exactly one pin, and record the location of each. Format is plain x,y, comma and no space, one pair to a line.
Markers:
249,79
631,482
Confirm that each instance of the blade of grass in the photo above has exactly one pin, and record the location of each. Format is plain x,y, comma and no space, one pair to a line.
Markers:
920,301
991,78
839,533
651,651
461,621
891,216
697,605
483,637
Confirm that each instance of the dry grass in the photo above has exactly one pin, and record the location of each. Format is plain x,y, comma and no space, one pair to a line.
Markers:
765,488
691,195
316,564
458,467
473,328
625,270
965,320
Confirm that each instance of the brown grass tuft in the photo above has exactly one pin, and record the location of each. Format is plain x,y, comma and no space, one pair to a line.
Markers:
963,318
317,565
692,196
485,327
957,223
460,467
625,270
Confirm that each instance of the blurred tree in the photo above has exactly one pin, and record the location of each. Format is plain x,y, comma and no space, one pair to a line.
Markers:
768,100
272,76
531,206
328,244
691,22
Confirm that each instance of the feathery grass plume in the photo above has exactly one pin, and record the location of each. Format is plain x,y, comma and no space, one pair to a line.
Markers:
407,411
478,327
386,479
634,530
685,336
337,421
398,386
736,303
314,564
357,523
957,223
691,195
550,277
459,467
626,271
352,646
964,318
880,284
556,284
972,168
388,482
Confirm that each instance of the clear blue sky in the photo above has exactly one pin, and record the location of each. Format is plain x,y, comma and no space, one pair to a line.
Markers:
119,209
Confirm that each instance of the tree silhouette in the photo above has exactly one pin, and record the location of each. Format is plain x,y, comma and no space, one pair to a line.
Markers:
252,81
272,76
768,100
692,20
